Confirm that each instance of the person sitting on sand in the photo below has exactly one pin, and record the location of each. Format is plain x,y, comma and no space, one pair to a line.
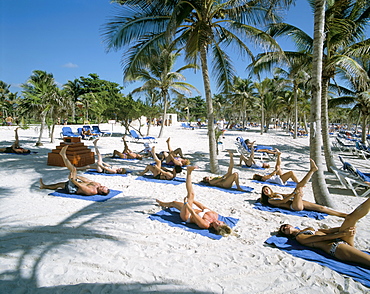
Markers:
338,241
227,180
76,184
202,216
126,153
173,157
294,201
277,176
101,166
15,148
250,162
158,171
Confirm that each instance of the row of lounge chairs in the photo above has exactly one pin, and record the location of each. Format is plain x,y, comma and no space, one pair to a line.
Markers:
243,148
94,130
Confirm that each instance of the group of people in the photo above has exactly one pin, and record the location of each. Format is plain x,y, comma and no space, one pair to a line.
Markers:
339,242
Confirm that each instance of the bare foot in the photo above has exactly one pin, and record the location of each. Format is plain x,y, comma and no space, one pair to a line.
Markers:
313,166
168,140
95,141
42,186
278,152
161,204
240,189
191,168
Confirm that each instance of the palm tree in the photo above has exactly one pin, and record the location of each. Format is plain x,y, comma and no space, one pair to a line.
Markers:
41,95
203,27
157,73
74,90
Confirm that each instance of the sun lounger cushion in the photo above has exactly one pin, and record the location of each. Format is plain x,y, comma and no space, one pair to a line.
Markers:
292,247
97,198
174,181
289,184
171,216
95,172
232,190
304,213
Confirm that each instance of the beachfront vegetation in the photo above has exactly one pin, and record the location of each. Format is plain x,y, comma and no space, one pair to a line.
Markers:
203,29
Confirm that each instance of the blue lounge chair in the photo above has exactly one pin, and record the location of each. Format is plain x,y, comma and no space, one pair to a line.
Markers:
137,137
97,130
88,128
187,126
67,132
86,137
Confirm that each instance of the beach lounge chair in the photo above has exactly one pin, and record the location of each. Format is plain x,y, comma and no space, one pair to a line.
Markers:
85,137
352,178
137,137
88,128
67,132
187,126
97,130
361,150
243,148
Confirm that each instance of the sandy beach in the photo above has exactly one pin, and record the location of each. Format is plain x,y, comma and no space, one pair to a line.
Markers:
62,245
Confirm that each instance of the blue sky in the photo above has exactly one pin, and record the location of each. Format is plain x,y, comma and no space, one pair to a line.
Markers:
63,37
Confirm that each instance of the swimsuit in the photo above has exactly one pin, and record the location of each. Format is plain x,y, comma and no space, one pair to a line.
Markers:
276,180
157,176
335,245
256,165
201,214
71,187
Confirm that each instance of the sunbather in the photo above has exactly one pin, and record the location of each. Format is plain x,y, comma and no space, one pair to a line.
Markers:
173,157
160,172
257,149
76,184
250,161
202,216
126,153
277,176
294,201
101,166
15,148
227,180
338,241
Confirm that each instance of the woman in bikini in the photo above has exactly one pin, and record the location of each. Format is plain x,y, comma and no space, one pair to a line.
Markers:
126,153
101,166
15,148
338,242
203,217
294,201
277,176
227,180
250,162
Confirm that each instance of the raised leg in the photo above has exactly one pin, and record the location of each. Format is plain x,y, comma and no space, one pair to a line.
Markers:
51,186
307,177
99,162
68,164
184,213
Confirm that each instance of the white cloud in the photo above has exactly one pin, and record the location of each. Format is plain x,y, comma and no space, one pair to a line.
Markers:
70,65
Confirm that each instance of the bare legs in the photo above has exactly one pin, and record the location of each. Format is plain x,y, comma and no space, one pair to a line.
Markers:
284,176
99,162
231,177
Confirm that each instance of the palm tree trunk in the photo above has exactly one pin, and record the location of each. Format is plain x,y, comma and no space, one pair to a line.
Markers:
295,110
325,126
210,115
319,187
43,123
164,114
363,126
262,116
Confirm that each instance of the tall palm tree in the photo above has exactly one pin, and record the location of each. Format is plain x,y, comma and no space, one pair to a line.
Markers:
204,28
74,90
157,73
41,95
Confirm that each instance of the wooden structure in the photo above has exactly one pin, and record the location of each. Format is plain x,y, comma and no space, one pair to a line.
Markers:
77,153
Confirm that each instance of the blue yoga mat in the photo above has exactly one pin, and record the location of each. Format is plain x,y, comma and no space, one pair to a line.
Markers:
250,167
356,272
289,184
232,190
95,172
125,158
171,216
174,181
305,213
98,198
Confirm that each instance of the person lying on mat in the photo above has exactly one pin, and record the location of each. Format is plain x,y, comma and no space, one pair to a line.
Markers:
101,166
173,157
126,153
338,241
15,148
200,215
294,201
76,184
250,162
227,180
158,171
277,176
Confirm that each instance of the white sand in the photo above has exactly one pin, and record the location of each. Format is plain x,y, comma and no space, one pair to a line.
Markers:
61,245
